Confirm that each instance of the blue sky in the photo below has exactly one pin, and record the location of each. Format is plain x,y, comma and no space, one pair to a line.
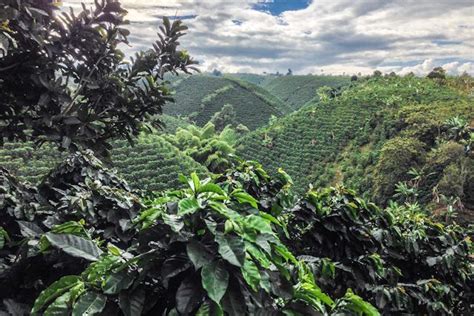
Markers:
318,36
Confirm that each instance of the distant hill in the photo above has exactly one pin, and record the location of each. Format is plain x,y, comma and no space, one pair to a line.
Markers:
369,137
296,91
199,97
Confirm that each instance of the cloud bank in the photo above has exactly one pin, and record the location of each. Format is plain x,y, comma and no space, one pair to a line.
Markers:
319,36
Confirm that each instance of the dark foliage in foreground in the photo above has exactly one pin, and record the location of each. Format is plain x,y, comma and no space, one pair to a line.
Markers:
64,79
402,262
224,246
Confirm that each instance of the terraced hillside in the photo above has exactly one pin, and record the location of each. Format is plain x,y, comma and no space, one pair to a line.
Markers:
199,97
348,139
296,91
152,164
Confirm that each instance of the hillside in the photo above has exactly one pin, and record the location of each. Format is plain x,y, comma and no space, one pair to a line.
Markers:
296,91
199,97
348,139
151,164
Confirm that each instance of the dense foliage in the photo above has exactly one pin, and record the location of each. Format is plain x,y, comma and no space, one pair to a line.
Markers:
369,135
229,239
398,259
64,79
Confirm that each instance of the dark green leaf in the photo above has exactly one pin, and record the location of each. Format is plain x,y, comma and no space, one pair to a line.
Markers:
215,280
89,304
231,248
75,246
198,254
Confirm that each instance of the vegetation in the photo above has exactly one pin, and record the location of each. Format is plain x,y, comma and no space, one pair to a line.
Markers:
64,79
199,97
296,91
229,239
368,136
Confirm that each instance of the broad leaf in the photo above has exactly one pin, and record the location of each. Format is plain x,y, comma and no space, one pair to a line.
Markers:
117,282
189,295
231,248
198,254
89,304
75,246
55,290
251,274
187,206
215,280
258,223
211,187
244,197
132,303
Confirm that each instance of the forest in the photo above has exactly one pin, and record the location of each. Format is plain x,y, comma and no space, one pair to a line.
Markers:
146,187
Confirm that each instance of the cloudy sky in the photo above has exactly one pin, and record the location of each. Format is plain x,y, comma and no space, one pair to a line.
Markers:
315,36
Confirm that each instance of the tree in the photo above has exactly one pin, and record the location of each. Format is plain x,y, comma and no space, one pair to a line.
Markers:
290,72
64,79
437,73
226,116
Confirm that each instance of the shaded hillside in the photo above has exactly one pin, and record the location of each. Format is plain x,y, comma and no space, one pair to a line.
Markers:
348,139
200,97
296,91
152,164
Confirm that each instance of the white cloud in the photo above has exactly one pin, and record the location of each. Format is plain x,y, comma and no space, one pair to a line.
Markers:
337,36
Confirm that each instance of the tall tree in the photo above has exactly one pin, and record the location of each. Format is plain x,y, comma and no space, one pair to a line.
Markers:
63,77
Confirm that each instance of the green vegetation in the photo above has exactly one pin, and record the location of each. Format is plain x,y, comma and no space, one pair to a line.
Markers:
229,239
296,91
367,136
199,97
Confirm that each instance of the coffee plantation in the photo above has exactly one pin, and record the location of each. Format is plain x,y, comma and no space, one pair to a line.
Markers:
252,195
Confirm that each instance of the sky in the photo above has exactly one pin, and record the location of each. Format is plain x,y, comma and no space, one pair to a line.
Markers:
314,36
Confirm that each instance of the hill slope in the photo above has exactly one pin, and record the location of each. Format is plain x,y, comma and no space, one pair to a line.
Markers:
348,139
152,164
296,91
200,97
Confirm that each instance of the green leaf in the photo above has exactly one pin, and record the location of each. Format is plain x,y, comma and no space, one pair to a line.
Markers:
75,246
117,282
132,303
211,187
231,248
258,223
89,304
72,227
199,254
244,197
251,274
358,305
60,306
55,290
187,206
195,184
173,221
215,280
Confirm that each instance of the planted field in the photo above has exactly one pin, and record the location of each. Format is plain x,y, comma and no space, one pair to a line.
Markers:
200,97
315,144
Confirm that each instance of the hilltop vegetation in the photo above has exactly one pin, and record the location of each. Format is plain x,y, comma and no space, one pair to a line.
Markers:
199,97
346,139
296,91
